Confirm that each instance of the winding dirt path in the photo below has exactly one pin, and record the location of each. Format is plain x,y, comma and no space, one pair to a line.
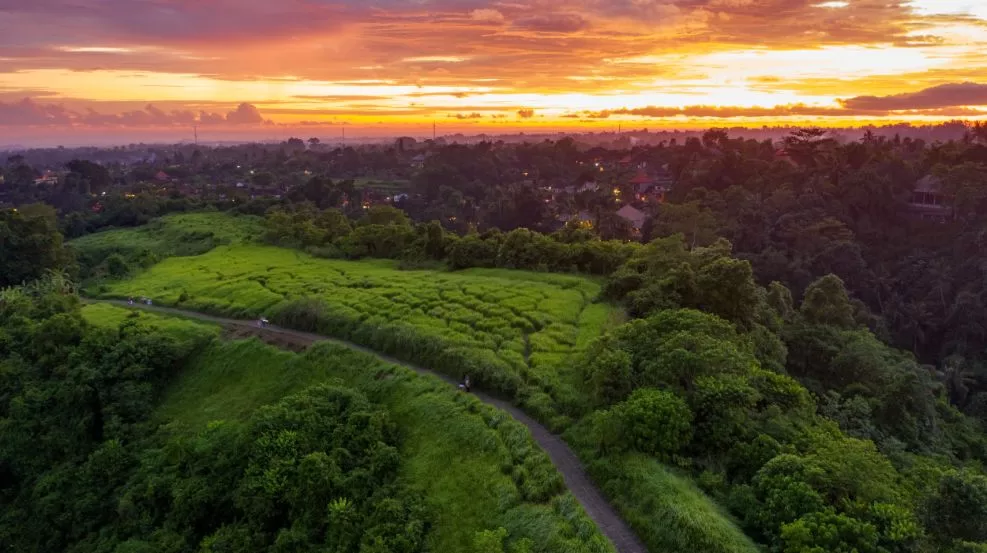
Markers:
564,459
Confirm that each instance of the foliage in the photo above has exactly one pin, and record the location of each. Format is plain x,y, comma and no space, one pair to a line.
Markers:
655,422
664,274
115,253
30,244
73,397
957,510
498,477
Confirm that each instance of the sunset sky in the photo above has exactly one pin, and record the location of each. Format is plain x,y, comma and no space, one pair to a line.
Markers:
390,66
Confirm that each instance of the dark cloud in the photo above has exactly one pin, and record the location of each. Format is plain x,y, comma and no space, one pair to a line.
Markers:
473,115
553,23
942,96
28,112
526,113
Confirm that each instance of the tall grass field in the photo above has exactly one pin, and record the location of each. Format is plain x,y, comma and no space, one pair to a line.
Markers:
512,331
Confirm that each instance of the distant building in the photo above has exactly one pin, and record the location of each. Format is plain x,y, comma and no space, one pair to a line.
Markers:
418,162
587,186
928,201
634,216
47,178
161,176
642,182
583,218
405,143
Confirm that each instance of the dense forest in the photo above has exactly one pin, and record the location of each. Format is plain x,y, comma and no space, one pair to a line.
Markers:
801,343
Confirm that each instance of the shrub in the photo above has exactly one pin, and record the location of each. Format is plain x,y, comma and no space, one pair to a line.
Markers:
116,266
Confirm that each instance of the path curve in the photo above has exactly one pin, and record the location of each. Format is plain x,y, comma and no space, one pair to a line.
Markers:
564,459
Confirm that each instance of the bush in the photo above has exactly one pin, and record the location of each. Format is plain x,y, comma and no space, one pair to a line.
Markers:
116,266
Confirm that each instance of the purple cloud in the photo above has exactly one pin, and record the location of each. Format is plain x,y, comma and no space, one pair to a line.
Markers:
553,23
28,112
942,96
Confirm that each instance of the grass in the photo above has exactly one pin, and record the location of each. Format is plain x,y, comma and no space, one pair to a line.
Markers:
179,234
109,316
478,468
515,329
668,511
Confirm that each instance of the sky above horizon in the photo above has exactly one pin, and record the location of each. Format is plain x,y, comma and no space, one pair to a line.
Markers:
395,67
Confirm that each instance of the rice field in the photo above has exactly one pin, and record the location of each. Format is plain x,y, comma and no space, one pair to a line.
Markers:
516,330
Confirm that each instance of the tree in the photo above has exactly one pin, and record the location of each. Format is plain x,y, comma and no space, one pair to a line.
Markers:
385,215
957,510
609,373
30,244
489,541
95,177
696,224
780,299
829,532
826,302
655,422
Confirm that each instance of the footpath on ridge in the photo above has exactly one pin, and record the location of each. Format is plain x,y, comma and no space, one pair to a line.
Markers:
576,479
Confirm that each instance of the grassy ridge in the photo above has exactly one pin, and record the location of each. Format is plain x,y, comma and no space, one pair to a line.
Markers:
108,316
181,234
514,331
479,468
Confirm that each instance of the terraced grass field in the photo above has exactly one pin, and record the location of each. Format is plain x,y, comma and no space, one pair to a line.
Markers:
515,331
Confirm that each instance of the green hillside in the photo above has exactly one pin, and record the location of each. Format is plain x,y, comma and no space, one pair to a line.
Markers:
180,234
479,470
512,330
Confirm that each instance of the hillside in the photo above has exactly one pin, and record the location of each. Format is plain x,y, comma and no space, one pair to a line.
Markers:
461,475
799,430
514,331
181,234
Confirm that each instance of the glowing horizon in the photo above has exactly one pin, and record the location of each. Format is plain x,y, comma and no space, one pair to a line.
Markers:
481,66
